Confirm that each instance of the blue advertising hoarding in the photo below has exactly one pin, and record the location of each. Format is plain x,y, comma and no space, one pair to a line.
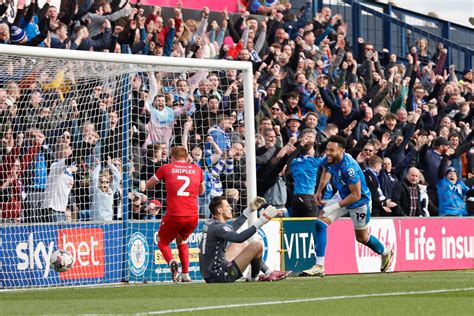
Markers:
145,262
298,244
25,252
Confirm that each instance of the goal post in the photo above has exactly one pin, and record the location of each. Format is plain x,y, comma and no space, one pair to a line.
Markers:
54,190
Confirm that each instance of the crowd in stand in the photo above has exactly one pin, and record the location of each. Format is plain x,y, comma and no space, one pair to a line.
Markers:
407,123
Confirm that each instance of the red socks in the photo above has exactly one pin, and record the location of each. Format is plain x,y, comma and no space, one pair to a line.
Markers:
184,257
183,254
165,251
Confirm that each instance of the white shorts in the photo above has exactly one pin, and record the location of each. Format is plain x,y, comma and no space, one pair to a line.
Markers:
360,215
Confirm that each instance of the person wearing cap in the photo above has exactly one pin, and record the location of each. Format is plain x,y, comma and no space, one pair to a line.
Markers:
17,36
292,128
432,160
467,75
451,192
152,210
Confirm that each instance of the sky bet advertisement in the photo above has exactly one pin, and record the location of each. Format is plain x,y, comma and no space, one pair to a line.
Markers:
25,254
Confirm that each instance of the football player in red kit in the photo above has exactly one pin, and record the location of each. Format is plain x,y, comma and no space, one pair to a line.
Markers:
184,182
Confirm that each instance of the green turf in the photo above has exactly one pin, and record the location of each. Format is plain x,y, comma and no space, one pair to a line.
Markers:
130,299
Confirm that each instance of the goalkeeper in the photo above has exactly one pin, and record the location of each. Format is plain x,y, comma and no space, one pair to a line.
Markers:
216,235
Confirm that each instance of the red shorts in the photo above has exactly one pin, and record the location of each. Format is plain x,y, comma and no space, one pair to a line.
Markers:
170,228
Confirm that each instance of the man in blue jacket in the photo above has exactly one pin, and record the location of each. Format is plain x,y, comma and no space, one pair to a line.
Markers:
451,192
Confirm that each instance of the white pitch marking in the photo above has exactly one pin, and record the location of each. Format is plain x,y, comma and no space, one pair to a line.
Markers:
304,300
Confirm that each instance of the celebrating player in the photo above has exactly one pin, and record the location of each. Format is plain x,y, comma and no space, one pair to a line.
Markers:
353,197
184,182
216,234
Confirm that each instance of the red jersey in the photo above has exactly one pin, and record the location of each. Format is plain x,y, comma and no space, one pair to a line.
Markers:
182,182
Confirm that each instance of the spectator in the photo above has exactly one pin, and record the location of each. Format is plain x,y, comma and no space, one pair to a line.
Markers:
10,195
154,160
398,111
152,210
451,193
103,190
387,178
219,133
35,176
292,128
103,12
160,127
237,179
432,161
305,170
381,205
137,205
425,200
406,194
83,41
58,186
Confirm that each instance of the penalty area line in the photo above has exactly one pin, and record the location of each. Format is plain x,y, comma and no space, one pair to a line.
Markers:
303,300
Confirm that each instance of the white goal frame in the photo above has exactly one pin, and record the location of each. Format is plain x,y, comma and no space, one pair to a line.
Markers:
245,67
192,64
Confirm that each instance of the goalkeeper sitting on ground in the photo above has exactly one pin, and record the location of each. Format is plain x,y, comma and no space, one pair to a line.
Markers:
216,234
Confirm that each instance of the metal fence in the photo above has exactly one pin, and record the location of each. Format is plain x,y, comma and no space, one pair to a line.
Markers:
398,29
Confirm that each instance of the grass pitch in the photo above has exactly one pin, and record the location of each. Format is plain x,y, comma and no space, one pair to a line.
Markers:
418,293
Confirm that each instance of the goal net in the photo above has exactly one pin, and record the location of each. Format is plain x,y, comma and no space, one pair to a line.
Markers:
81,134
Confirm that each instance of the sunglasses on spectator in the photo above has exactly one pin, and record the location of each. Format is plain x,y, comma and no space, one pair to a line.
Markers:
368,150
275,109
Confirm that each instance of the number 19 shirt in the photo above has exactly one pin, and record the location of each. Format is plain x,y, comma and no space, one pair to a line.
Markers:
345,173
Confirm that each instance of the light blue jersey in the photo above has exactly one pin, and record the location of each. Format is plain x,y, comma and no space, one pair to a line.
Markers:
345,173
305,171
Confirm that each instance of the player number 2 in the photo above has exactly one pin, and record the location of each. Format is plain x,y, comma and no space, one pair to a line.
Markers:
182,190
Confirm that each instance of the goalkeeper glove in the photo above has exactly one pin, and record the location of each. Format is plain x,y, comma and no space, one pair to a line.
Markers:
254,205
268,213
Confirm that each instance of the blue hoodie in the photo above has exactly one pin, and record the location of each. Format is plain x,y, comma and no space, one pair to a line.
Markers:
451,198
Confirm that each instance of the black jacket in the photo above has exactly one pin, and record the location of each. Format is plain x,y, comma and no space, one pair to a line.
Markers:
387,183
373,185
401,196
